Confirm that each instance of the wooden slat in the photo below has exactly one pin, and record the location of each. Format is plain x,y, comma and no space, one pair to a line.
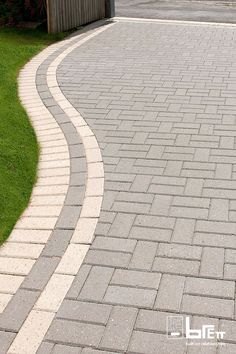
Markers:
67,14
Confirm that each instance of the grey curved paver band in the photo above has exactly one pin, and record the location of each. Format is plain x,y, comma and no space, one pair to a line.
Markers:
52,270
160,101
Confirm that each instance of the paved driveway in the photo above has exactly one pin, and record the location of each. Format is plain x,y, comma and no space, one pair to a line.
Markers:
161,102
209,10
160,99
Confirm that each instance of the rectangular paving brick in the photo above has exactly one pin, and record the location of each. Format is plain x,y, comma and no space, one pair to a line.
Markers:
215,240
119,329
15,266
230,271
210,287
144,342
6,339
70,332
72,259
155,221
107,258
212,262
66,349
161,205
130,296
99,279
136,279
54,292
229,328
12,319
122,225
40,273
194,187
183,231
45,348
150,234
94,351
78,282
10,283
219,210
179,251
32,332
141,183
143,256
114,244
170,293
220,308
176,266
84,312
152,321
57,243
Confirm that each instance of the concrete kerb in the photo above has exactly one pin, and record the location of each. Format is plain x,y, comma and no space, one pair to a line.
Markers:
174,22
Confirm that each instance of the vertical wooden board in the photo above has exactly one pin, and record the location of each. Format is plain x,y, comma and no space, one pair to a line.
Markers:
66,14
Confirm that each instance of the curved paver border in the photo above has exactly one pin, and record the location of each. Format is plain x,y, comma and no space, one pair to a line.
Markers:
60,129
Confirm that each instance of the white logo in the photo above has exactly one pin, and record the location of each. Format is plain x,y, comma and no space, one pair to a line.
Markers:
176,326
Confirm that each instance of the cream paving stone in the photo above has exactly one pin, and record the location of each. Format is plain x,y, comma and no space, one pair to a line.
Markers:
51,190
84,231
50,132
31,333
90,142
95,187
93,155
55,156
47,200
53,172
29,236
64,104
54,292
54,149
36,223
54,143
4,300
21,250
9,284
85,131
52,181
54,164
71,111
15,266
46,126
77,122
72,259
91,207
45,211
95,170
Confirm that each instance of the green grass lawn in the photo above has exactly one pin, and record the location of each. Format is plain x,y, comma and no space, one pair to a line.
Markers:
19,150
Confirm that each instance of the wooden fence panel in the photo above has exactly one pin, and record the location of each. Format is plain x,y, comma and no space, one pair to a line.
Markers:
66,14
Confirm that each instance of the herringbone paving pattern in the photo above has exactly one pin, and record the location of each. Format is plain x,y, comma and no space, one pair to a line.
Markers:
160,99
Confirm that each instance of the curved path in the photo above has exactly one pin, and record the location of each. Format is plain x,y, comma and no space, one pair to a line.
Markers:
160,99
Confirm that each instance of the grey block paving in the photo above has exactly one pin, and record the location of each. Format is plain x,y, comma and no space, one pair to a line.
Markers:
84,312
41,273
76,333
6,339
17,310
119,329
64,349
160,100
57,243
